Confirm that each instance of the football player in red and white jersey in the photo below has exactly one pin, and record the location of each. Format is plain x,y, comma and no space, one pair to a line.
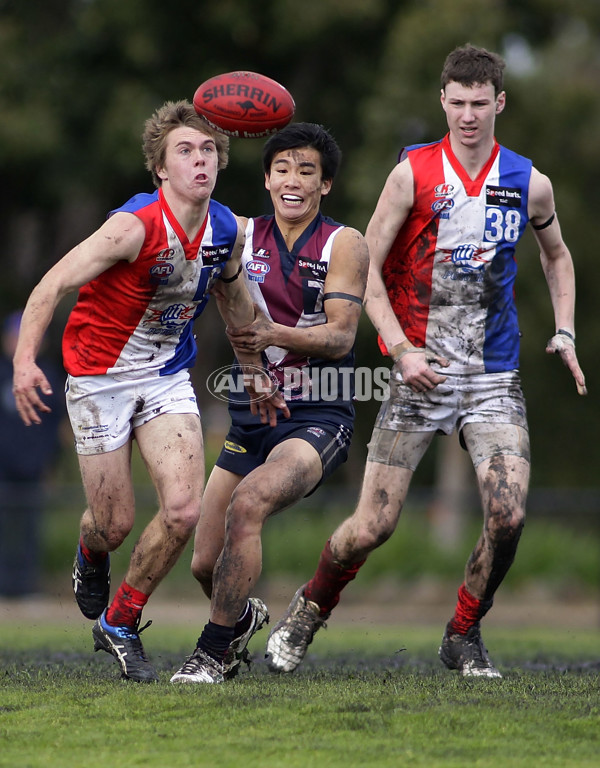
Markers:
440,294
143,277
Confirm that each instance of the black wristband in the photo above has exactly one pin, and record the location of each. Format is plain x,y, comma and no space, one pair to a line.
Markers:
231,279
568,334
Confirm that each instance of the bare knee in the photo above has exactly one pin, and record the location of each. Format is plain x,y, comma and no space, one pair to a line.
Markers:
181,519
504,494
504,524
248,508
244,516
505,516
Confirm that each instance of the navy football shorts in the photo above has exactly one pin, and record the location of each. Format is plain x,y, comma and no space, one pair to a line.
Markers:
247,447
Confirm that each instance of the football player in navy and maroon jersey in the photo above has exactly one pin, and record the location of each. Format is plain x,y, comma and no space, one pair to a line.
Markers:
143,277
306,274
441,296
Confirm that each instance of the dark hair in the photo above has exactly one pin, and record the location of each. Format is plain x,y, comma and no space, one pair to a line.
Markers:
469,66
297,135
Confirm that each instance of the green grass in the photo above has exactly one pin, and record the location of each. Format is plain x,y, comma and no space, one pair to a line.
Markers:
374,697
367,695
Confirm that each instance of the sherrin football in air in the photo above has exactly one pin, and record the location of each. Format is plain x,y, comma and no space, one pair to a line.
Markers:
245,105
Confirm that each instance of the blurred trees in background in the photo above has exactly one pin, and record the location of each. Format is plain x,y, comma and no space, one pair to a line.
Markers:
80,77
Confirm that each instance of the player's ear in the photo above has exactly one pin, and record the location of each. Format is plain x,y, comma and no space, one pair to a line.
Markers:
500,102
267,182
326,185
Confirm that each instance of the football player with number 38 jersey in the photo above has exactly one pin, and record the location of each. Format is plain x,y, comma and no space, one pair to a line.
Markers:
441,295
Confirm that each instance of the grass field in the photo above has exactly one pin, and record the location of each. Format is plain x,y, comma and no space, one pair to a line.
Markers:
367,695
371,692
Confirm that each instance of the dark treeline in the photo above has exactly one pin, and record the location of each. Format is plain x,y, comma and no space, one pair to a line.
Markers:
79,77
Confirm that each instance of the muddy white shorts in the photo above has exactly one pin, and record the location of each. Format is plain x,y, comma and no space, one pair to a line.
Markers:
488,411
104,410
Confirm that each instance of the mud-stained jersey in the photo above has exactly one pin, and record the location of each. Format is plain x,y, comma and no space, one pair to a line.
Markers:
451,271
136,318
288,286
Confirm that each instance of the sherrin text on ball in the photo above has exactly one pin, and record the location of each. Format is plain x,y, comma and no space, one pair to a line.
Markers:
244,104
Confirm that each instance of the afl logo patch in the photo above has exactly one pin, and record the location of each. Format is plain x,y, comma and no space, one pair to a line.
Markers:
257,270
162,270
159,273
445,204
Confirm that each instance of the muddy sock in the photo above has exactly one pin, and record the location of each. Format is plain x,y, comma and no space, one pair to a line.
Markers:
330,578
216,639
126,607
469,610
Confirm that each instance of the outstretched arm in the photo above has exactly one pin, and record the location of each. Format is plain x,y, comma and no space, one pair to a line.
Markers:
119,238
557,264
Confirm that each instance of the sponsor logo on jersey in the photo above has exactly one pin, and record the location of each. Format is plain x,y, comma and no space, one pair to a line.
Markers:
173,317
314,269
261,253
165,254
467,259
507,196
257,270
234,447
214,254
443,190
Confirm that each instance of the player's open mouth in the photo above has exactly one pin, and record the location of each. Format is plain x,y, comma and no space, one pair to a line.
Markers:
291,199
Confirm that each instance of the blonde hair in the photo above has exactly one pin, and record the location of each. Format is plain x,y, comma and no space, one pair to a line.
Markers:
171,115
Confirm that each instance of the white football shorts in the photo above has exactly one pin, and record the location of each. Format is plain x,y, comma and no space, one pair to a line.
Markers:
104,410
488,411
